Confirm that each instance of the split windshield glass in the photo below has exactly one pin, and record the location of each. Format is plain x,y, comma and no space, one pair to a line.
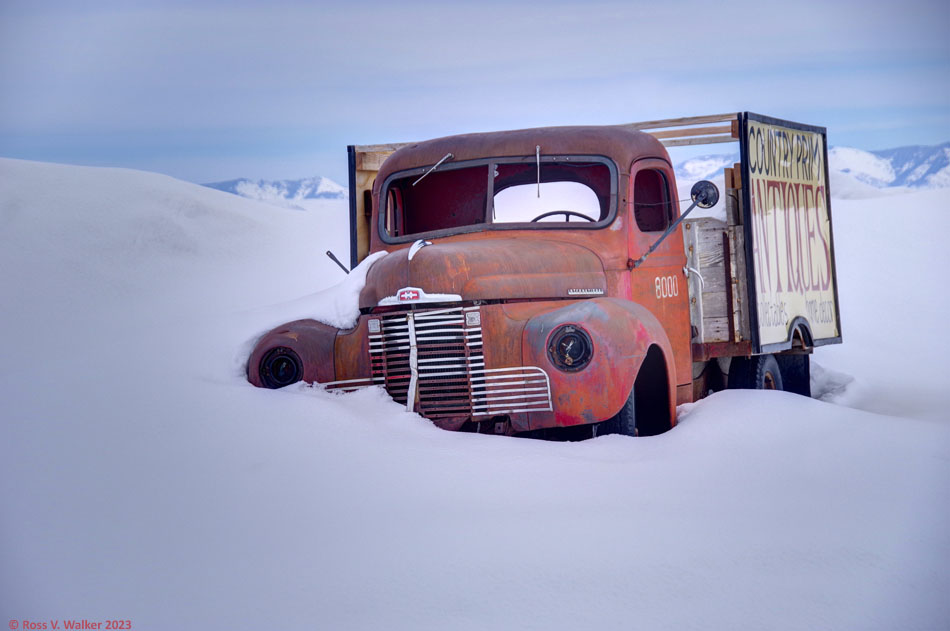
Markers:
569,192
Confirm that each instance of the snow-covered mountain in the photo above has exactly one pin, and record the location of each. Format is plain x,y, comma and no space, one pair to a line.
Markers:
705,167
916,166
283,192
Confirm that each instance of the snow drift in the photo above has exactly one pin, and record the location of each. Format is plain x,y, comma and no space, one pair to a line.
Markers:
141,477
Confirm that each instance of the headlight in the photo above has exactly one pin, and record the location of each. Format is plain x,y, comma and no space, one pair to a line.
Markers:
281,367
570,348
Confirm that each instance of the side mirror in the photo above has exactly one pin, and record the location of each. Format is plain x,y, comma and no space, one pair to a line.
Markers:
704,194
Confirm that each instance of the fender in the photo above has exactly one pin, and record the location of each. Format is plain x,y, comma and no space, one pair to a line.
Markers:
802,327
312,341
622,332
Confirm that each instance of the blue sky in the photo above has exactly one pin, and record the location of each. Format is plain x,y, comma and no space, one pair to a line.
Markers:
216,90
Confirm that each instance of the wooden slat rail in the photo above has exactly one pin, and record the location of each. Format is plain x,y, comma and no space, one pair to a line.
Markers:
685,121
691,130
687,132
704,140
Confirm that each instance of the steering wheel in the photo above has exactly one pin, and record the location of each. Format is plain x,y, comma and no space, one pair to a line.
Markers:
567,215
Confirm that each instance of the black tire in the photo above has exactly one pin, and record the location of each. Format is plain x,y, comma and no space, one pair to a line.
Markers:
625,421
647,409
759,372
796,373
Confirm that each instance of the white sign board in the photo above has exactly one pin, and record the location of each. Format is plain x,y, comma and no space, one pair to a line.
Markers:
789,226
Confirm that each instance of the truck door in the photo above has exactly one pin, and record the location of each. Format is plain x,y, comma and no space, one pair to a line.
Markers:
659,283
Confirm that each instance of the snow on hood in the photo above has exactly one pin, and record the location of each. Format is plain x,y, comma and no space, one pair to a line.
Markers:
336,306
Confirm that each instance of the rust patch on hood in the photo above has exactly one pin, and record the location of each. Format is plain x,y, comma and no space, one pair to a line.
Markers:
488,269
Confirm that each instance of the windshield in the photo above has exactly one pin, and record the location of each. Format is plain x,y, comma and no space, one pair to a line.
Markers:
559,191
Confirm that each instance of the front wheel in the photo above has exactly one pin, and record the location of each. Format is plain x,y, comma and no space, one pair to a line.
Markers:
625,421
647,409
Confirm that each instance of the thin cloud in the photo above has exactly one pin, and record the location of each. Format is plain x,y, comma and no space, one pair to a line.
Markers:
324,72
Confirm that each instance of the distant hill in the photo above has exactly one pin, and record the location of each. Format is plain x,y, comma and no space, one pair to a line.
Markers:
290,193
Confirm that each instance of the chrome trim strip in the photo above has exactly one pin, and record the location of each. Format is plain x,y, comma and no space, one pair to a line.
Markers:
367,381
413,365
494,392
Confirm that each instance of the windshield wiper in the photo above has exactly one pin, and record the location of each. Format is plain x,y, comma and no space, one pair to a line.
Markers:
435,166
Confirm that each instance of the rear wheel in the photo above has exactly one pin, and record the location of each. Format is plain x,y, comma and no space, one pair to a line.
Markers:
796,373
759,372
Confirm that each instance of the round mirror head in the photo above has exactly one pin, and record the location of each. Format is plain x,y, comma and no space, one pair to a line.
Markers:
704,193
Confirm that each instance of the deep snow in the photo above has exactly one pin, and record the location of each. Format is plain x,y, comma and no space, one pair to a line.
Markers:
142,478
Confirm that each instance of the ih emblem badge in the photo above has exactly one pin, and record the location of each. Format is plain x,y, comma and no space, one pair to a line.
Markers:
408,294
415,295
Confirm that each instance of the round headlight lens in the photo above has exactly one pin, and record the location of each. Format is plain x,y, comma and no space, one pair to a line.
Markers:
280,367
570,348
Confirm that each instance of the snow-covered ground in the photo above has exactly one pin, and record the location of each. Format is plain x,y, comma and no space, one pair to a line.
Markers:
142,478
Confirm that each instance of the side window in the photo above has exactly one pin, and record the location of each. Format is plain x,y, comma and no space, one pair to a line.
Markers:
652,207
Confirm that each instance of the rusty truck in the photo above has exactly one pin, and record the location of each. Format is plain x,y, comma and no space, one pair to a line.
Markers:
548,280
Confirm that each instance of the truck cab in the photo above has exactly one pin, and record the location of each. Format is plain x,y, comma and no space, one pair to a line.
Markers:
536,280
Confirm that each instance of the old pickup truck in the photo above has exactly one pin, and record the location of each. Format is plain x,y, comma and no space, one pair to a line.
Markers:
545,280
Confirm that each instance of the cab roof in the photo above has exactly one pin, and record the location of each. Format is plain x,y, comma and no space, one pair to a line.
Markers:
622,145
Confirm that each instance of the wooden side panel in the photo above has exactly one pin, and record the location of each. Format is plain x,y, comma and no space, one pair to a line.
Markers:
709,304
735,192
364,182
371,160
717,330
733,195
725,326
736,274
368,160
714,303
740,291
694,285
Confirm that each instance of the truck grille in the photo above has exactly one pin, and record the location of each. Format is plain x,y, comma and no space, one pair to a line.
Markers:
437,353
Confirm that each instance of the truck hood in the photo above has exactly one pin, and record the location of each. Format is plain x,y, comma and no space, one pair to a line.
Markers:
488,269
